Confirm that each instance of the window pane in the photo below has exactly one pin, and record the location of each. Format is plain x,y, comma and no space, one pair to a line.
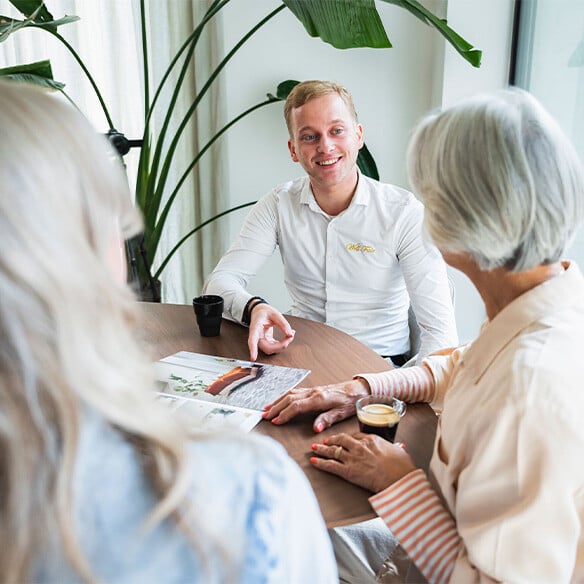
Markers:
550,64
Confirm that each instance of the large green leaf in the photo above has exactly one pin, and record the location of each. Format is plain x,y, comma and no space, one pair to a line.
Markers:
38,73
284,88
41,68
345,24
9,25
36,12
356,23
33,9
36,80
472,55
366,163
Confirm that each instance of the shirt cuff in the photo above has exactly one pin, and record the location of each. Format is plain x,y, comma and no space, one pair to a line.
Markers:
425,529
238,306
410,384
377,383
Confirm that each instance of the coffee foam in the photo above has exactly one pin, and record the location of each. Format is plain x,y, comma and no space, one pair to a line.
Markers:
378,415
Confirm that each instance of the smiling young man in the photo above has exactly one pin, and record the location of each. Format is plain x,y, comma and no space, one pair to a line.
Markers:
352,247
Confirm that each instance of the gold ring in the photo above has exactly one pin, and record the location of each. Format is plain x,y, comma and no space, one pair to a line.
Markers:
337,452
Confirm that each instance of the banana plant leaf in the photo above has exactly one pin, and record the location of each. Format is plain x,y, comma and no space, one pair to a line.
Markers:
36,15
466,50
38,73
33,9
344,24
347,24
366,163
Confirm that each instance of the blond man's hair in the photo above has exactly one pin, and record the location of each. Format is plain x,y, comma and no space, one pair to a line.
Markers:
312,89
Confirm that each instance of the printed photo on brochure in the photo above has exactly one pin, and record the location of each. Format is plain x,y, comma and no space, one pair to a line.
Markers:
212,392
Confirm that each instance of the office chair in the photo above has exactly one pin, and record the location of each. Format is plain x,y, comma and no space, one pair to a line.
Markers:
415,330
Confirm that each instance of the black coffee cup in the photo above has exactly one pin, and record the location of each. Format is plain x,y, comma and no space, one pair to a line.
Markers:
209,311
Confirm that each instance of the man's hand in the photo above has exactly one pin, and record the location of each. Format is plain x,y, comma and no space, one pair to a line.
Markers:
363,459
261,331
336,401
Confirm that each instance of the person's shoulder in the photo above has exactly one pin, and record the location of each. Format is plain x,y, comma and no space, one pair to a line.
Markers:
289,190
283,197
542,358
389,194
248,477
244,458
247,486
392,205
250,444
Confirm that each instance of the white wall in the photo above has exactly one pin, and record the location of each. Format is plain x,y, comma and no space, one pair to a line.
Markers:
488,26
392,89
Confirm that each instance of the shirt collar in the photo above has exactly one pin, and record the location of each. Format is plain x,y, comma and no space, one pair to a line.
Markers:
566,289
362,194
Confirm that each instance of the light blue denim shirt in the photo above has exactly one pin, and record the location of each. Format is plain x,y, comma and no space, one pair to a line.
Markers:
257,520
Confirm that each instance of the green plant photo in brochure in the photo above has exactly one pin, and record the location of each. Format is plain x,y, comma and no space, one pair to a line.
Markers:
344,24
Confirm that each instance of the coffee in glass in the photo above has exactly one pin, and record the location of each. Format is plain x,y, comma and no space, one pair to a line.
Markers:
380,415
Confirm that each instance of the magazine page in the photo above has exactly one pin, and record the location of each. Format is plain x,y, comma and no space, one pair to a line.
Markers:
227,388
208,416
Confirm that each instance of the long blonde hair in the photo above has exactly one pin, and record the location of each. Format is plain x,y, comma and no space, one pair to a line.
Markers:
66,340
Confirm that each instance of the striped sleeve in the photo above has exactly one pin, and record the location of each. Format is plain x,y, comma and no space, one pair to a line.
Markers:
424,528
410,384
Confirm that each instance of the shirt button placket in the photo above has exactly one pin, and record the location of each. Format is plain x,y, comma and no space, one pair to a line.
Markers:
331,272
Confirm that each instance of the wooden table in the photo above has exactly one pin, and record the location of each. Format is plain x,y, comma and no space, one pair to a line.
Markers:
332,356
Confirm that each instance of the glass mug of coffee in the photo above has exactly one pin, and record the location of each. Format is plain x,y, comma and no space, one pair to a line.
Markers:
380,415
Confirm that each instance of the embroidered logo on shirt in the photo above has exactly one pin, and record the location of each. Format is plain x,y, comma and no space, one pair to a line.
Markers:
360,247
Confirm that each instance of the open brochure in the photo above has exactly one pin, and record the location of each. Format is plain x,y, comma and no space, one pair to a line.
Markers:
212,392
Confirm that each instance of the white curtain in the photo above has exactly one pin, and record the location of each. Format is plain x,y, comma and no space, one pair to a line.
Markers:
108,40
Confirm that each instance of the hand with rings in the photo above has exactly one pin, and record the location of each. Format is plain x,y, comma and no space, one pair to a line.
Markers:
363,459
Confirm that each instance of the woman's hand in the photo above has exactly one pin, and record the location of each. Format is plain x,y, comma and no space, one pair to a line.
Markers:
363,459
337,400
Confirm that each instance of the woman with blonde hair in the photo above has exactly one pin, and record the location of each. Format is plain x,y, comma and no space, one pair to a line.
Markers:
99,482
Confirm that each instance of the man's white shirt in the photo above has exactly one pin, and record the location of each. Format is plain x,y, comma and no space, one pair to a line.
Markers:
357,271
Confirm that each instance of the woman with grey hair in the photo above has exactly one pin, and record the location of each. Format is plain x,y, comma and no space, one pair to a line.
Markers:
99,481
503,191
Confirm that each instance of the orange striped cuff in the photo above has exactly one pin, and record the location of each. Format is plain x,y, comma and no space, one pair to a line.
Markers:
425,529
411,384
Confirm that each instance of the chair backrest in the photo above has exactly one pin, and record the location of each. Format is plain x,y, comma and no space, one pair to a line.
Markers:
415,330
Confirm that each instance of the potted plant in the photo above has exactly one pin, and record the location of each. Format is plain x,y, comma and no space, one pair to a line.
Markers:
342,23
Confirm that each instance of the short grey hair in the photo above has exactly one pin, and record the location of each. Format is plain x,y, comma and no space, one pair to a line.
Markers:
499,180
